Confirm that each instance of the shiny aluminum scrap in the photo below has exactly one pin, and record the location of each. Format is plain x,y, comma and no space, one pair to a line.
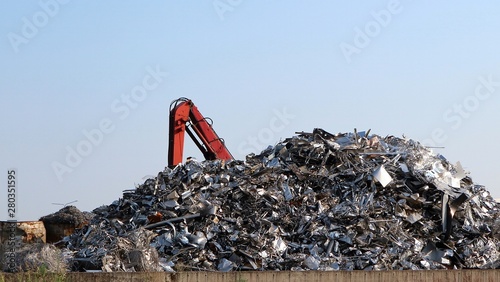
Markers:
316,201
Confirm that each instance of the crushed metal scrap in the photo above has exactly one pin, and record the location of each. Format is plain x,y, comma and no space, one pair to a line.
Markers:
316,201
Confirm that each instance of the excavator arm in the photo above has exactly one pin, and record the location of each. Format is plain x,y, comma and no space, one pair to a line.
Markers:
185,117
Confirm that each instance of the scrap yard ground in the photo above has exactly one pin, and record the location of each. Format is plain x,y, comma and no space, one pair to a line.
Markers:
274,276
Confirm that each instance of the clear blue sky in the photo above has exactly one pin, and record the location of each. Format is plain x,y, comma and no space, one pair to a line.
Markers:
261,70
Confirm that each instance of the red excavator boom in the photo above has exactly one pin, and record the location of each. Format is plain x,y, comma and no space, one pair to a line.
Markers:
184,117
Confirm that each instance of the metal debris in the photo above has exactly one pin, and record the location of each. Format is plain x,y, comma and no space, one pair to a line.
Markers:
64,222
36,257
316,201
67,215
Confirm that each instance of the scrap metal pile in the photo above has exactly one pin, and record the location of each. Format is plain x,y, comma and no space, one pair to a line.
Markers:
316,201
67,215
